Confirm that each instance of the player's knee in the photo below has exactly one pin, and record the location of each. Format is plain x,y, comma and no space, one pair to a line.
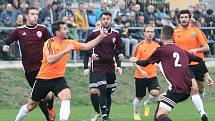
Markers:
155,93
139,98
31,106
65,94
93,91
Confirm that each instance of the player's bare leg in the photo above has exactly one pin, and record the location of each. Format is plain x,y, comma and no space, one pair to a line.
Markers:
65,96
25,109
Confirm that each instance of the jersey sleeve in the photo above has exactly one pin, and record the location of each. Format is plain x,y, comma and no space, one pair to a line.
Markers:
119,44
48,48
76,44
12,36
154,58
201,37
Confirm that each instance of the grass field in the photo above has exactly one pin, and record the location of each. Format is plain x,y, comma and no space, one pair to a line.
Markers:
183,112
15,91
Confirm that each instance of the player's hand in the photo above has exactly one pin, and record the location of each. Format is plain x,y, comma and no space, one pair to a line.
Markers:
6,48
133,59
193,51
94,57
121,57
86,72
69,48
144,74
103,31
119,71
208,79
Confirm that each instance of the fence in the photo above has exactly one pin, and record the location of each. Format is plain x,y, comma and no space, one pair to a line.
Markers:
78,55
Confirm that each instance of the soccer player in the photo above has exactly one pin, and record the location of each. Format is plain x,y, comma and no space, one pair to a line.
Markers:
56,51
145,77
31,37
193,40
102,74
175,67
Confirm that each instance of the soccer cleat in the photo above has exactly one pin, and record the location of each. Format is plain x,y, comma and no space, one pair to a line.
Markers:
106,119
204,117
95,117
146,110
51,114
137,117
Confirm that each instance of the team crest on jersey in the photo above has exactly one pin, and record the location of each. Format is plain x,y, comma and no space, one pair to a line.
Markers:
24,33
193,35
39,34
114,40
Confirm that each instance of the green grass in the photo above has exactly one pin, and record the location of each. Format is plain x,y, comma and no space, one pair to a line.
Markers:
183,112
15,92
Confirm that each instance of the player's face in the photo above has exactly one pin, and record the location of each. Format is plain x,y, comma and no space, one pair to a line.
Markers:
63,31
184,20
106,21
149,33
32,17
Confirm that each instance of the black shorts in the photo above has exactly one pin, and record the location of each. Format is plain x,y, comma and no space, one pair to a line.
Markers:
31,77
170,99
142,84
101,78
197,72
43,86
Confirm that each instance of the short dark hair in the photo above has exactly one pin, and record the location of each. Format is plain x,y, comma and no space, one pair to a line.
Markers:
167,32
56,26
30,8
185,11
106,13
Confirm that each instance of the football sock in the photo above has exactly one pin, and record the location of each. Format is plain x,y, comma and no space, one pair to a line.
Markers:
136,105
50,102
44,107
103,100
109,101
149,100
64,110
95,102
22,113
198,104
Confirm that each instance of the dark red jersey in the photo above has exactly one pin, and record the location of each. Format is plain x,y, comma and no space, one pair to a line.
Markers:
174,63
31,40
106,50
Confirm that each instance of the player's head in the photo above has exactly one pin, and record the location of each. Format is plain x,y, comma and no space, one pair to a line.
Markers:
184,17
31,15
167,33
106,19
59,28
149,32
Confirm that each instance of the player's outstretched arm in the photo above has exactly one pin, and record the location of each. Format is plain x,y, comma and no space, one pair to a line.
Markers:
139,62
89,45
53,58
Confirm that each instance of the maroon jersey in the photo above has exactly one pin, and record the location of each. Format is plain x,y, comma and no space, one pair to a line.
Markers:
106,50
31,40
175,66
